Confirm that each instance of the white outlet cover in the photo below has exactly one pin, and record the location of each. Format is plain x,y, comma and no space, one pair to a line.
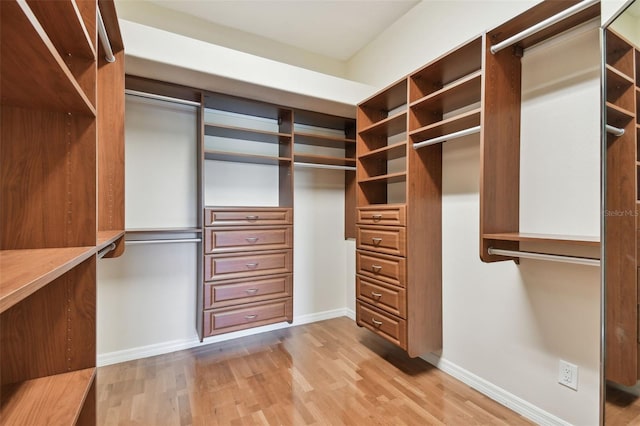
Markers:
568,375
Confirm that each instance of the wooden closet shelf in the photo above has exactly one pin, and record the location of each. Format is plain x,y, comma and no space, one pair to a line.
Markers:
619,52
390,99
245,158
544,238
453,124
387,152
462,92
186,230
388,178
324,159
618,116
63,23
32,72
107,237
244,133
48,400
618,78
321,140
26,271
391,125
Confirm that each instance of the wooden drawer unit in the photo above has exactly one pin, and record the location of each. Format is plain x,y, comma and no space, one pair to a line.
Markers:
232,319
251,264
382,215
230,239
247,216
391,328
389,269
382,239
235,292
390,298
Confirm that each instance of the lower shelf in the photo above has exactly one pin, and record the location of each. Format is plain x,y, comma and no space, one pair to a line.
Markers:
50,400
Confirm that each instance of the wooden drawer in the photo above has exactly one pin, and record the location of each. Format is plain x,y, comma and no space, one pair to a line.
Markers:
234,292
385,325
232,319
382,215
252,264
223,240
382,239
390,298
389,269
215,216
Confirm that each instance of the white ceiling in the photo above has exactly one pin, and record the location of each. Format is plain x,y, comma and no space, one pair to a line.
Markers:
333,28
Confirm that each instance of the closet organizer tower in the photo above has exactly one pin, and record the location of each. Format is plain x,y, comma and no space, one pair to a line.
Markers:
61,191
472,91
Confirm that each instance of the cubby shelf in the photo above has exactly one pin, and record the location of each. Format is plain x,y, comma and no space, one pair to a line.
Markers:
324,159
619,54
457,123
244,133
49,400
28,270
618,116
388,178
544,238
33,74
617,77
302,138
387,152
245,158
391,125
462,92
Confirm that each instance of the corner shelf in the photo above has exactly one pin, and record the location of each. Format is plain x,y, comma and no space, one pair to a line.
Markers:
48,400
33,73
28,270
244,133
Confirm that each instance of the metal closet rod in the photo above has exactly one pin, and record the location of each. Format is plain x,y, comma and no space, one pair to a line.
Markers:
615,131
448,137
323,166
161,98
541,256
543,24
104,39
106,250
165,241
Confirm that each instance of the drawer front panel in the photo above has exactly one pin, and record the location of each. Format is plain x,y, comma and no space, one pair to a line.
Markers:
391,299
247,216
389,269
382,239
224,267
227,320
222,240
236,292
394,215
385,325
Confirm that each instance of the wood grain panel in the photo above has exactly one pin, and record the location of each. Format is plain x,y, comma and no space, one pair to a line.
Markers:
385,325
247,264
235,292
382,239
230,216
248,316
390,269
382,215
244,238
390,298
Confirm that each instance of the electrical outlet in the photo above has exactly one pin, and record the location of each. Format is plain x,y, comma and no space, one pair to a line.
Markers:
568,375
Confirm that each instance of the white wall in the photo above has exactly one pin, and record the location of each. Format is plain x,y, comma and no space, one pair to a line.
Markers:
507,325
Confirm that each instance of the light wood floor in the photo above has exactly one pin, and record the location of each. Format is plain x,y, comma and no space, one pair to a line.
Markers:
325,373
621,408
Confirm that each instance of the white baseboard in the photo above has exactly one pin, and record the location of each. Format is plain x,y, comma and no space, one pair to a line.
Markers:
513,402
350,313
178,345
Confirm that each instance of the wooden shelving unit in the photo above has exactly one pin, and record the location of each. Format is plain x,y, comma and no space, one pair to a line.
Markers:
61,190
621,206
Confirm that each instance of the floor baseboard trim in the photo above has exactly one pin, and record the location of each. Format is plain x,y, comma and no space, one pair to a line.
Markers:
509,400
162,348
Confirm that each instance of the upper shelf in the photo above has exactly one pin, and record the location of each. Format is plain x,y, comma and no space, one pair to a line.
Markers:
450,125
28,270
617,116
32,71
107,237
464,91
387,152
544,238
619,53
245,158
389,126
244,133
303,138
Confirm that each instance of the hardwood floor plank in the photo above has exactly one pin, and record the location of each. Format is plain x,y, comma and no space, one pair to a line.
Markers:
325,373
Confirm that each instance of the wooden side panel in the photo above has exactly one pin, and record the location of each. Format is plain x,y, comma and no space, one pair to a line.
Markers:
500,148
48,179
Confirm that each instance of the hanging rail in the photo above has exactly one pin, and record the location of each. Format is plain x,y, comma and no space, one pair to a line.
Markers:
166,241
106,250
161,98
543,24
104,39
324,166
541,256
615,131
448,137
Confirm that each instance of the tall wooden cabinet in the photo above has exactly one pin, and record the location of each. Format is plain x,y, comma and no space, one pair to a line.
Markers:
61,204
622,228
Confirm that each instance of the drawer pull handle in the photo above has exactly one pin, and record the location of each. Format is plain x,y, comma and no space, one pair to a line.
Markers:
253,217
250,317
376,217
251,290
374,294
376,268
376,241
378,323
252,265
251,239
